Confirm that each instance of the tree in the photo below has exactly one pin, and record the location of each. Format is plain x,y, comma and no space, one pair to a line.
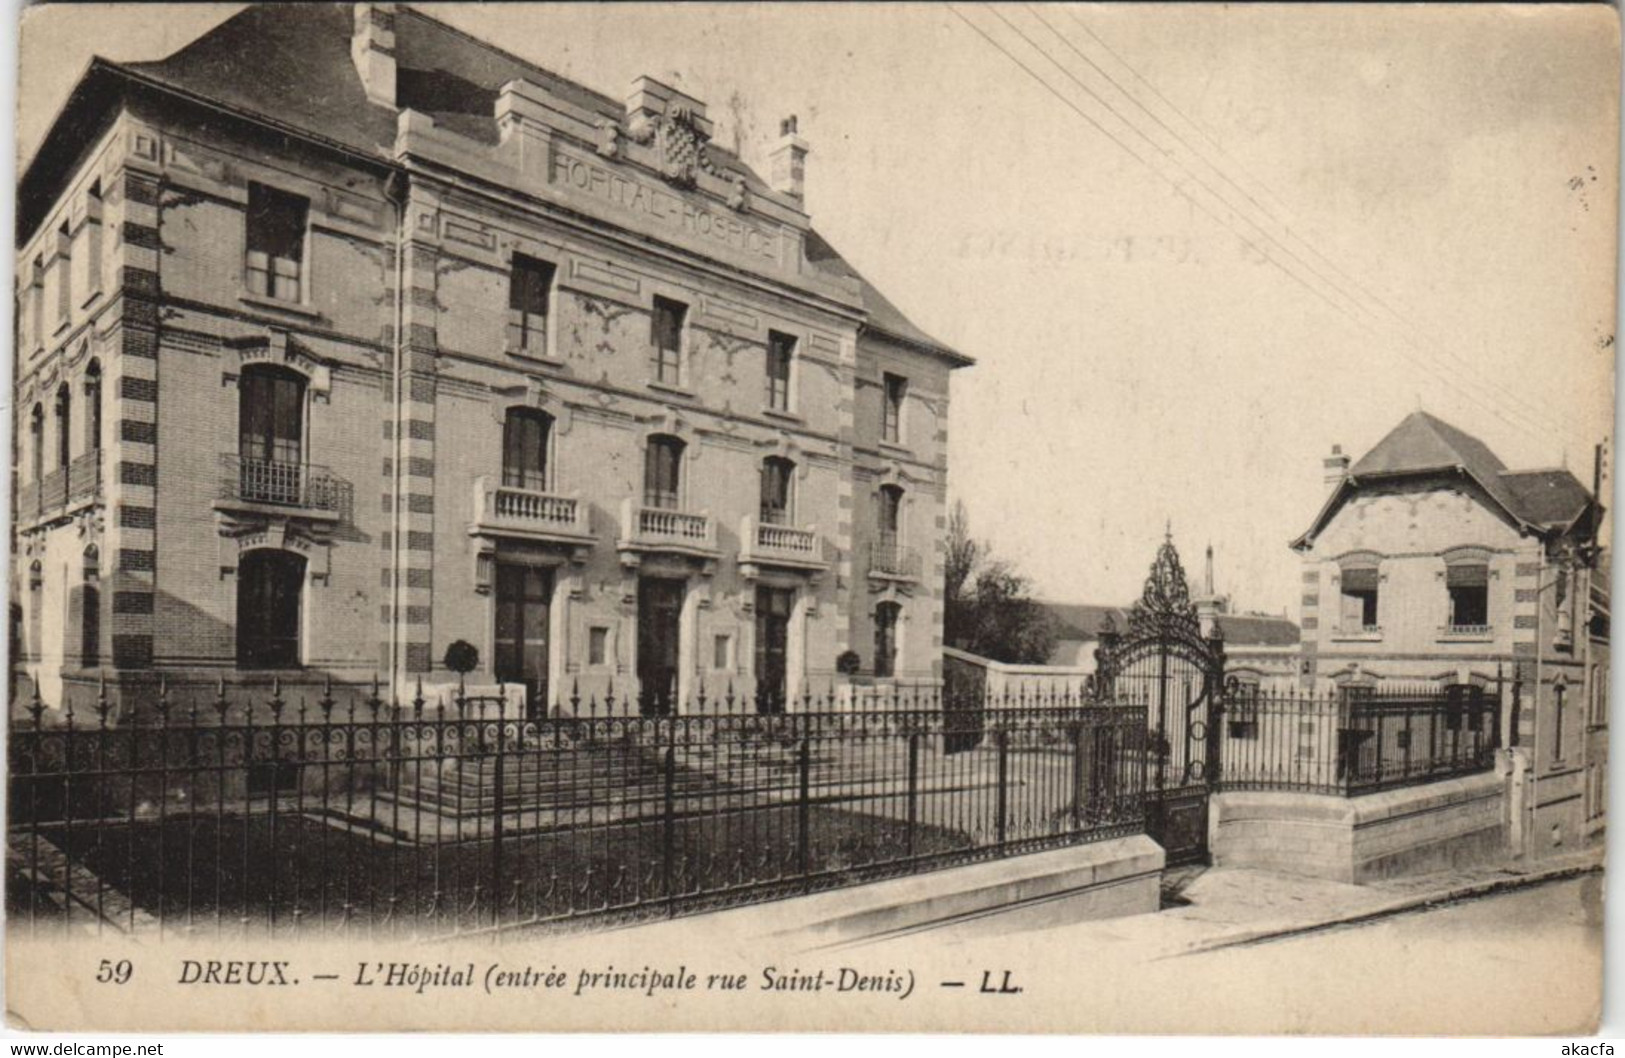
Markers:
988,608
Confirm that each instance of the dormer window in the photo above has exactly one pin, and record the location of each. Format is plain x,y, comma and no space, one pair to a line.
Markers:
274,267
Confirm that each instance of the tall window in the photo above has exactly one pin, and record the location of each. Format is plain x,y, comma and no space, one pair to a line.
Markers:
891,513
36,441
271,430
36,301
525,435
1359,600
662,473
90,611
886,639
891,407
64,278
276,243
529,290
776,473
93,239
1469,587
667,338
93,407
269,585
64,444
781,350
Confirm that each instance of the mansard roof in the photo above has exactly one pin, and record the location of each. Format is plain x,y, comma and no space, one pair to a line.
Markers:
289,66
1424,445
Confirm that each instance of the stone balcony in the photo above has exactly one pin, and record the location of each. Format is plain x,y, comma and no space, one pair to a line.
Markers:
646,529
763,543
529,514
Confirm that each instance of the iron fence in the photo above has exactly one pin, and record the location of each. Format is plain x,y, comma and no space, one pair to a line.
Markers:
275,817
1355,744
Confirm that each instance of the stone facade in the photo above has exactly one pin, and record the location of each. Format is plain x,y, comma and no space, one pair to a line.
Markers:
391,316
1432,565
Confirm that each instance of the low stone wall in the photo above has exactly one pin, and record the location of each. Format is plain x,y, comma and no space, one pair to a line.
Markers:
1360,839
1104,879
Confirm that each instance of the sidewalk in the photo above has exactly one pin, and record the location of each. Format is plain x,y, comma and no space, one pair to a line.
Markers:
1212,908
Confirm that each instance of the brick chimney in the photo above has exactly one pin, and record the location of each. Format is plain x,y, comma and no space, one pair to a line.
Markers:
372,49
787,162
1337,468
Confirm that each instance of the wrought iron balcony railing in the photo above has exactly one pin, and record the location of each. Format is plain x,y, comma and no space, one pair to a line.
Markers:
888,558
528,512
85,476
54,489
1466,631
278,484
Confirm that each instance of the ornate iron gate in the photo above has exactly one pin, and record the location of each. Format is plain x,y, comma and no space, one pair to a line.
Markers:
1165,664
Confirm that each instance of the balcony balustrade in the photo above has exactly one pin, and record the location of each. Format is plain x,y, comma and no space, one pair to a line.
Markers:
779,544
277,484
649,528
506,510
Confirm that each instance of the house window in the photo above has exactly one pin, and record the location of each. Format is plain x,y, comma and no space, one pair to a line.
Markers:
1468,585
530,288
890,516
276,243
269,586
525,435
36,301
776,474
891,407
64,402
721,651
1359,600
93,239
597,645
93,407
667,338
781,350
271,426
90,619
64,281
886,639
662,473
36,441
1559,702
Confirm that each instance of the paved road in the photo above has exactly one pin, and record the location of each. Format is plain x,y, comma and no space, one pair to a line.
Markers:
1527,961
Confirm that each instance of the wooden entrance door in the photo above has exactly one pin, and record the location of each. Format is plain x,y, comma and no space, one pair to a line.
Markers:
660,613
524,602
773,608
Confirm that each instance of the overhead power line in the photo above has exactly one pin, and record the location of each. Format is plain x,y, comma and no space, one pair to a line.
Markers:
1538,411
1334,298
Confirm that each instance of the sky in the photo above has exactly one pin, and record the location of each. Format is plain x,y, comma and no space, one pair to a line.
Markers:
1224,238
